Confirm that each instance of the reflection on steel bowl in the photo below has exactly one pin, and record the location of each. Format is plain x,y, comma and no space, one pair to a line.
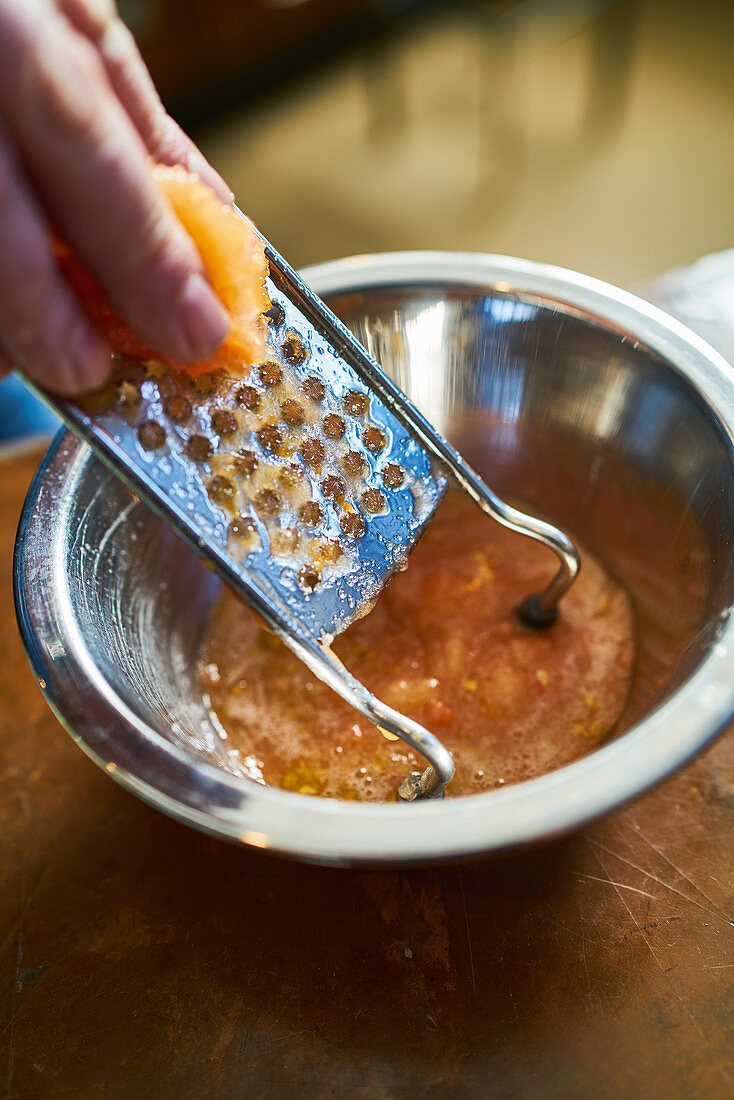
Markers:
598,411
445,645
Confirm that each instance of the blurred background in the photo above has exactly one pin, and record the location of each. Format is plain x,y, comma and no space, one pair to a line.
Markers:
595,134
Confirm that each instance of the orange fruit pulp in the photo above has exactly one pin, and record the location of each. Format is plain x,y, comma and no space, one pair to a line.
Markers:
233,256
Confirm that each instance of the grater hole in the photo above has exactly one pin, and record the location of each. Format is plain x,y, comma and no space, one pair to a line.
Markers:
128,394
313,451
313,388
327,550
289,476
206,384
373,500
308,578
292,412
221,490
267,501
270,373
352,525
178,407
243,528
393,475
270,437
284,541
245,463
374,440
198,448
333,486
249,397
167,385
334,426
355,402
275,315
293,348
224,422
311,513
151,435
353,463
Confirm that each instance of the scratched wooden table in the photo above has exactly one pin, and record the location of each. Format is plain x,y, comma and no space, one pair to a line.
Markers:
142,959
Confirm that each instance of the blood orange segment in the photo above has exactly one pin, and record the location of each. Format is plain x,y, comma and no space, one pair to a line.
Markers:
233,256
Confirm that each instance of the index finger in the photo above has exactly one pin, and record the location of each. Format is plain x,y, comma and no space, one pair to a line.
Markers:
91,171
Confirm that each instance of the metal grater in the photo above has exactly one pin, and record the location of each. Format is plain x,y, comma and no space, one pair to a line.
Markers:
207,460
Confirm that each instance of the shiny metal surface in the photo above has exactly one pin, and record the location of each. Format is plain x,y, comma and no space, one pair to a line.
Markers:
173,485
510,360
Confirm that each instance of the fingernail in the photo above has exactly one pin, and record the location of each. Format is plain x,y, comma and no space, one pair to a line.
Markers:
90,357
205,320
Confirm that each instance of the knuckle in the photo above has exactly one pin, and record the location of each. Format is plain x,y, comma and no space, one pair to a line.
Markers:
117,40
167,139
119,49
151,121
94,16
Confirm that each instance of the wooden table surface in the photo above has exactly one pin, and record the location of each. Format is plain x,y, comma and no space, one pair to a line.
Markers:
139,958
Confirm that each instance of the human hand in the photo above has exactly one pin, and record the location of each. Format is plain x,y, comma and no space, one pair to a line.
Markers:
79,120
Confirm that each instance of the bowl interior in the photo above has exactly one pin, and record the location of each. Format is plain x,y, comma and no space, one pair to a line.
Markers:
587,428
570,414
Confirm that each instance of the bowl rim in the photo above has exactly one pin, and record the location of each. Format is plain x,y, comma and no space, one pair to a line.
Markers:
348,833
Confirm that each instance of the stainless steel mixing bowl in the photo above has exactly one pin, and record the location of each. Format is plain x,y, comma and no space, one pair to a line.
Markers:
596,409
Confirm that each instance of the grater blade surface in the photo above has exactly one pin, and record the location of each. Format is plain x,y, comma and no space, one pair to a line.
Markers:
162,433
